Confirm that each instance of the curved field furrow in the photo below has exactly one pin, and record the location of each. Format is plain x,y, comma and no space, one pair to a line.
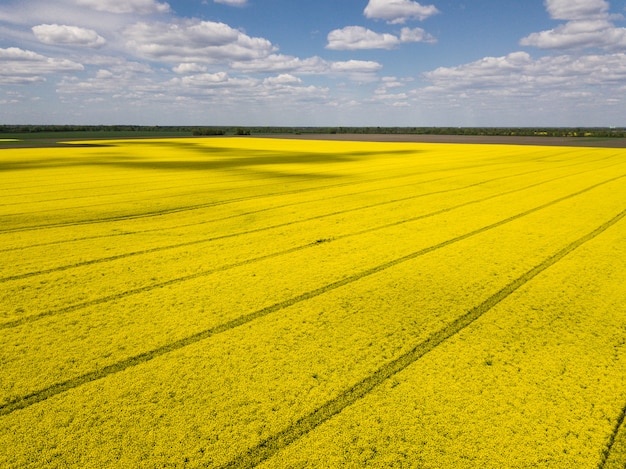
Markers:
204,164
155,183
31,298
18,263
270,446
614,456
187,207
537,381
166,211
236,321
385,186
101,300
280,303
185,374
273,227
328,195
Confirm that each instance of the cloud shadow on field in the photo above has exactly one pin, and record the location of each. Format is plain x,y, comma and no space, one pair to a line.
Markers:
17,164
262,162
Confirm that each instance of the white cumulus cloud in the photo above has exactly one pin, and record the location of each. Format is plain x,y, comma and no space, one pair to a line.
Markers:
416,35
517,89
588,25
358,37
195,41
126,6
577,9
277,63
362,71
484,73
282,79
579,34
189,68
204,79
235,3
68,35
289,66
105,74
398,11
518,73
388,83
353,66
23,66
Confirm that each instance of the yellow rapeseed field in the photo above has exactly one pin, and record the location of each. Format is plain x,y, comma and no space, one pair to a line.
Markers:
242,302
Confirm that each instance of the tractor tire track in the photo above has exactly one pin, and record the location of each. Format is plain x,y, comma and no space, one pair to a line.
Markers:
283,206
123,182
272,445
147,288
243,233
166,178
253,212
151,182
112,194
272,181
144,357
234,235
213,220
156,213
127,293
266,181
186,208
617,439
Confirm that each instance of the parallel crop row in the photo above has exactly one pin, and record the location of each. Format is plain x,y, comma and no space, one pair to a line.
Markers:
271,295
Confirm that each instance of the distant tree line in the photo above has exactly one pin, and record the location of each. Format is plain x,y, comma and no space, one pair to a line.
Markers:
598,132
80,128
207,131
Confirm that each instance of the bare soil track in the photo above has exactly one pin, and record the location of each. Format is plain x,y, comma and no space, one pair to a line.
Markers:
479,139
409,138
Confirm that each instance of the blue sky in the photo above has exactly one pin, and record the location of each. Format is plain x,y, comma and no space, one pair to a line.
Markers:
322,63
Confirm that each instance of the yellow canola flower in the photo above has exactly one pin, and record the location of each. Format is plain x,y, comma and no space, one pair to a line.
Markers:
181,301
536,382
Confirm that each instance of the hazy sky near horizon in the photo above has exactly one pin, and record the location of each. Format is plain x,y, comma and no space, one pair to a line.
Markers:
313,63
